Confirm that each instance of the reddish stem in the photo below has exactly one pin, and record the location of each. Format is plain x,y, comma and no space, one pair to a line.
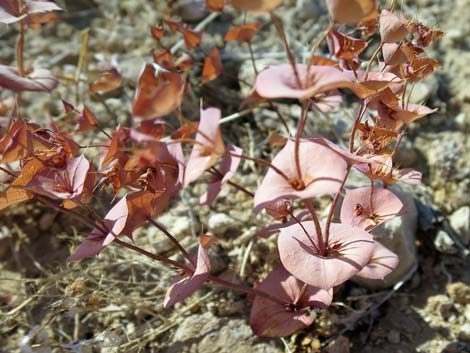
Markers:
321,243
360,114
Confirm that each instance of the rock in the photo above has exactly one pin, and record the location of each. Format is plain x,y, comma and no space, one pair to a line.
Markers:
463,121
220,223
398,235
210,334
464,334
393,336
423,90
339,345
441,305
444,243
460,222
459,292
191,11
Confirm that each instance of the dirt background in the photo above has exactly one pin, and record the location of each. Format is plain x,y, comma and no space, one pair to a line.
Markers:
113,303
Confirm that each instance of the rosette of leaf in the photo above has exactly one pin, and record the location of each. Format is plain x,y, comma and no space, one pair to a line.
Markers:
309,171
368,207
208,145
220,176
381,263
347,251
380,168
273,319
104,233
187,284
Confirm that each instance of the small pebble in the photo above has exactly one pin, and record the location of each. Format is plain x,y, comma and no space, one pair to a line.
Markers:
393,336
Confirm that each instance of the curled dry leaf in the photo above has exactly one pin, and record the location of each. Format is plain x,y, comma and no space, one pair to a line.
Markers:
208,145
243,33
158,93
66,182
381,264
349,249
228,167
107,81
39,80
424,36
368,207
269,318
256,5
351,11
10,11
157,32
212,66
392,27
188,284
343,46
192,39
86,120
108,230
321,172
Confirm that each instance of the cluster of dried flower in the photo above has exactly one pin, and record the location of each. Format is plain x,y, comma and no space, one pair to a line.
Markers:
145,165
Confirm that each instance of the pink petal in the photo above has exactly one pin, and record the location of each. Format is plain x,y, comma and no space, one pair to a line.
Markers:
280,82
408,176
356,208
350,158
228,167
96,241
40,80
322,172
208,145
301,259
272,319
186,286
382,263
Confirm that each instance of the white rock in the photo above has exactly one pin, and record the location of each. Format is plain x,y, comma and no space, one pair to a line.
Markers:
219,223
460,222
444,243
464,334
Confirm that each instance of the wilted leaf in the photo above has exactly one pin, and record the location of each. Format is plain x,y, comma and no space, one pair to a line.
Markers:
243,33
192,39
107,81
256,5
212,66
215,5
86,120
351,11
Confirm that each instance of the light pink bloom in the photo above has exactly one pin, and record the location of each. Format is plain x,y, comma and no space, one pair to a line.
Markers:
272,319
349,249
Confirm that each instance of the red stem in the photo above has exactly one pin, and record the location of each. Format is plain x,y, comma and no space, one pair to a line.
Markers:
321,244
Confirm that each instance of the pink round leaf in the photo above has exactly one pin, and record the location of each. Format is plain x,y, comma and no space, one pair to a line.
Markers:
280,81
39,80
321,172
348,251
381,264
366,208
272,319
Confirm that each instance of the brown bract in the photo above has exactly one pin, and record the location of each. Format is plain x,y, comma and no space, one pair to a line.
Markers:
107,81
351,11
215,5
343,46
158,93
212,66
243,33
10,11
256,5
392,27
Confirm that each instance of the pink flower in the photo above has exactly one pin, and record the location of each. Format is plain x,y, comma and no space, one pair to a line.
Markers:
382,263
